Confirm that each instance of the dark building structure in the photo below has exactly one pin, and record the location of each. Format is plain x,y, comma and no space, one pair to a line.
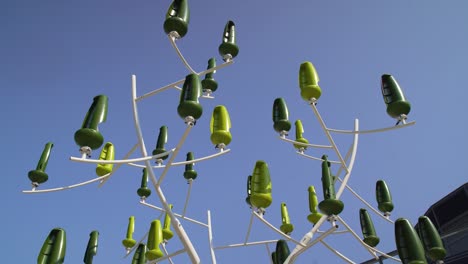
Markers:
450,217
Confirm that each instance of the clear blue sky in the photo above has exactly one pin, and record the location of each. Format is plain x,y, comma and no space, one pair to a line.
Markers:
57,55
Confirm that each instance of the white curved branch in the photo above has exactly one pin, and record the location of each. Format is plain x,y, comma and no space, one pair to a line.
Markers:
386,255
118,165
180,163
210,238
124,161
343,257
202,96
174,45
367,204
351,161
249,228
305,240
304,144
371,130
348,154
166,253
289,238
291,258
178,228
330,138
129,251
334,233
174,154
178,215
70,186
179,82
268,251
367,247
315,158
308,236
187,198
178,252
265,242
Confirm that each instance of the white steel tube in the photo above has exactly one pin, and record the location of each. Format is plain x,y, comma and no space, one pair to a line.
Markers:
187,198
306,238
136,245
178,228
356,194
178,252
277,230
366,203
172,85
174,45
249,228
247,244
174,154
351,161
357,237
343,257
340,169
372,130
291,258
335,233
315,158
303,144
165,252
124,161
160,90
178,215
330,138
118,165
210,238
269,253
180,163
384,254
68,187
202,96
